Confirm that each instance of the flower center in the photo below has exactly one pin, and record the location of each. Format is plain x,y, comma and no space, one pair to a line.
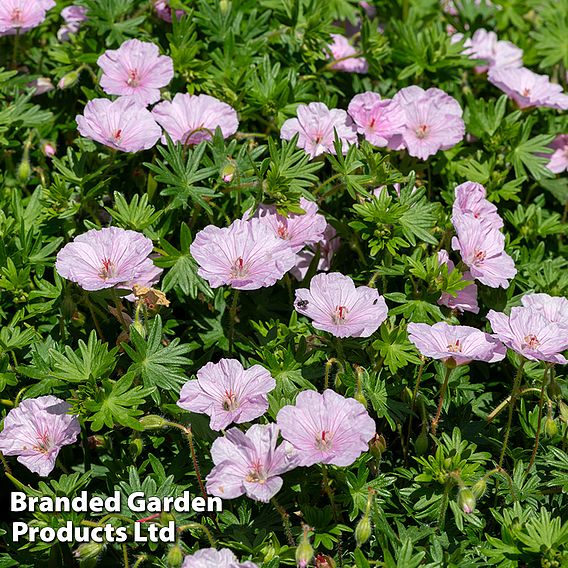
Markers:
455,347
283,231
44,443
479,256
230,401
323,441
531,341
422,131
526,92
107,270
133,78
256,473
17,17
239,269
117,136
340,314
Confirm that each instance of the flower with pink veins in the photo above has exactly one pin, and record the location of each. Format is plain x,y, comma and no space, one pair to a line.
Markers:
213,558
190,119
528,332
36,430
228,393
528,89
335,305
326,428
553,308
558,162
342,52
19,16
484,45
471,200
107,258
327,246
246,255
377,119
249,463
482,248
74,16
455,344
135,70
121,124
466,299
297,230
316,126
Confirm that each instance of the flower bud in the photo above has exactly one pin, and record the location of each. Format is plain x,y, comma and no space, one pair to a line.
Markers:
563,411
25,168
41,85
224,6
152,422
174,558
88,550
421,444
68,80
48,149
304,551
136,447
324,561
466,500
478,489
360,397
228,172
550,427
363,530
378,445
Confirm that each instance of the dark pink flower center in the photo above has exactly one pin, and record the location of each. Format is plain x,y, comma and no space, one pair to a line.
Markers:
422,131
283,231
323,440
108,269
239,269
455,347
256,473
230,401
117,136
531,341
340,314
44,443
479,256
17,17
526,92
133,78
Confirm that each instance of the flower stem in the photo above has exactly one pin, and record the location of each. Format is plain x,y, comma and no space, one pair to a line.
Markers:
540,406
125,555
189,437
514,394
285,521
232,318
201,528
15,50
5,464
329,364
414,395
436,420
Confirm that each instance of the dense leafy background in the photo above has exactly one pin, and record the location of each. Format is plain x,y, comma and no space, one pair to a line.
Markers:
265,57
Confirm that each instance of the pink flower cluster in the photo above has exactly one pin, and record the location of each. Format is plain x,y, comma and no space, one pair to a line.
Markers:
136,72
20,16
422,122
478,237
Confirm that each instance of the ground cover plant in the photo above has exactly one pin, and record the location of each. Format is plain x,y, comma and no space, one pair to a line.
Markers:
307,256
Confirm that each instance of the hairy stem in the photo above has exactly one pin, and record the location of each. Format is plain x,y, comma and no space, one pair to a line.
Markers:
232,318
540,406
285,521
514,395
436,419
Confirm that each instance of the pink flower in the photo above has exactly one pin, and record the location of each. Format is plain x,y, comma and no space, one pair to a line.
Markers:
482,248
326,428
297,230
559,159
528,332
485,45
466,298
247,255
48,149
316,126
164,12
528,89
553,308
471,200
335,305
433,122
455,344
41,85
190,119
378,120
327,246
212,558
121,124
228,393
342,52
107,258
36,430
74,16
22,15
249,463
135,70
